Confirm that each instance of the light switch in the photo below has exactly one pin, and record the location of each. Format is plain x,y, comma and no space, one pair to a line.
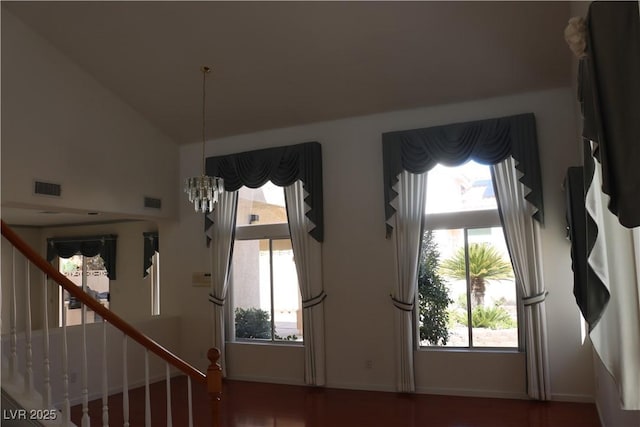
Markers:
201,279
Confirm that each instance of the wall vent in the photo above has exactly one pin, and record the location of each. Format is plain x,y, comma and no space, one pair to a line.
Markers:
47,189
152,202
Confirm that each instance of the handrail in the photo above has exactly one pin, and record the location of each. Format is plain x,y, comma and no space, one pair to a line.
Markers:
94,305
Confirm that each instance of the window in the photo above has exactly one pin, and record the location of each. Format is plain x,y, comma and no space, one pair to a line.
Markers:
154,280
465,275
88,273
264,285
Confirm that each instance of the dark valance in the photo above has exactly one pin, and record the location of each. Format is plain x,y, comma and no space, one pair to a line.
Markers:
66,247
151,246
281,165
609,92
485,141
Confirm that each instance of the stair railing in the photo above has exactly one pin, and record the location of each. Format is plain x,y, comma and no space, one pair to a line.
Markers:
212,380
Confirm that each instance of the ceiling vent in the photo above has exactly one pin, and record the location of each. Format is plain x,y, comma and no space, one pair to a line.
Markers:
153,203
47,189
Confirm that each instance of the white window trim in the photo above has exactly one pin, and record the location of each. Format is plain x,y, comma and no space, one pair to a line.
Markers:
465,219
263,231
256,232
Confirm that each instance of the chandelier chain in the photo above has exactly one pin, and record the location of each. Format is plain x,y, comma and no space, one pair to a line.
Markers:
203,190
205,71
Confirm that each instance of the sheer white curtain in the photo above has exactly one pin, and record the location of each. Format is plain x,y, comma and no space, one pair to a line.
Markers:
407,227
522,234
308,257
615,258
222,234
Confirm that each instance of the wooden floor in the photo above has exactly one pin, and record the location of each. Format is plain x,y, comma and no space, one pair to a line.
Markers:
247,404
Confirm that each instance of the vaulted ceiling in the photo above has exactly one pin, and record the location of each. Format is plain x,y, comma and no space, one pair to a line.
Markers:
278,64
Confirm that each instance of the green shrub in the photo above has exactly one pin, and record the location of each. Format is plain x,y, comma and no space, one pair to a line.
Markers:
433,296
253,323
494,317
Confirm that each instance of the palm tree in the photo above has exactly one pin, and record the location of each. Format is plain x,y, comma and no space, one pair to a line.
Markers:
485,263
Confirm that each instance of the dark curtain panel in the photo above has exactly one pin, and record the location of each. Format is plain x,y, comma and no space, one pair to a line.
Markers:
281,165
609,91
151,246
591,294
105,246
485,141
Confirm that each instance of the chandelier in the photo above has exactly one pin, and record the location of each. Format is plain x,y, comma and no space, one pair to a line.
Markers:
203,190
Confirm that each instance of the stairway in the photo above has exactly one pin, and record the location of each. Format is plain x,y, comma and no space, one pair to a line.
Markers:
29,366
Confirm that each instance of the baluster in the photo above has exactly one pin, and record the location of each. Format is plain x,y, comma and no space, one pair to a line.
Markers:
46,403
13,346
214,384
105,388
147,395
28,378
169,418
85,371
66,405
125,383
190,401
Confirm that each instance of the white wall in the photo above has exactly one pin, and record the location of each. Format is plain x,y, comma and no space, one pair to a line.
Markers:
357,265
60,125
8,272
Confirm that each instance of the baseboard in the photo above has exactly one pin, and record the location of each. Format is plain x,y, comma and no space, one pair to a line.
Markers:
363,387
270,380
115,390
494,394
577,398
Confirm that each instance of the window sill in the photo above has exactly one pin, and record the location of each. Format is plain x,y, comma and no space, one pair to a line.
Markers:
267,343
495,350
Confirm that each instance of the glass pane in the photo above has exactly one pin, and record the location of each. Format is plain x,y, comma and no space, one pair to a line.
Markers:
251,289
494,308
461,188
287,304
259,206
442,297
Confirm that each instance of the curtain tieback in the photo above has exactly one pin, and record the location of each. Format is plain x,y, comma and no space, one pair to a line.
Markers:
313,301
404,306
535,299
217,301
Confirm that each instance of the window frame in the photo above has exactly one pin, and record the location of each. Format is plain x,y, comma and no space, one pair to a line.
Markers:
269,232
154,280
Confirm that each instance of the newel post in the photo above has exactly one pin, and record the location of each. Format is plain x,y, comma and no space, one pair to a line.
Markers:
214,385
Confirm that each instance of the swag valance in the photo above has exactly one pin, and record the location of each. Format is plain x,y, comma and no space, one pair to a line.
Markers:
485,141
66,247
281,165
151,246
